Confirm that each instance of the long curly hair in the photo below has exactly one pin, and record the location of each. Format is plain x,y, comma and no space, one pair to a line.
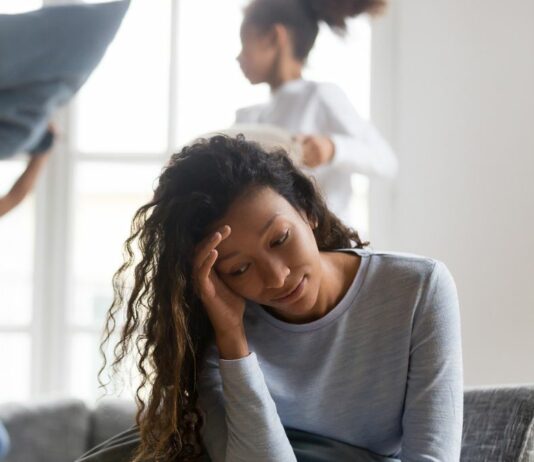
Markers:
163,323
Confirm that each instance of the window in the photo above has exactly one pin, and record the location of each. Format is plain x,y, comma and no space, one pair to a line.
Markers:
152,92
19,6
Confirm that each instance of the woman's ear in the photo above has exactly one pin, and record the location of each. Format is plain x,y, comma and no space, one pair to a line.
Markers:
313,222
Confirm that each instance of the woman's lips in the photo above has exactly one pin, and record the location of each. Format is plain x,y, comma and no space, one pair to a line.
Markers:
294,294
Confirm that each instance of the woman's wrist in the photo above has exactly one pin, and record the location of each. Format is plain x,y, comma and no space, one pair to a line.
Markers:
232,345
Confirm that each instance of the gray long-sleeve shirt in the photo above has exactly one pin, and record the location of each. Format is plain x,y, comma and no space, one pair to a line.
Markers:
382,371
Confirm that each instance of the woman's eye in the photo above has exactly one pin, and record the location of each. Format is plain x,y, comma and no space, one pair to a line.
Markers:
240,270
281,240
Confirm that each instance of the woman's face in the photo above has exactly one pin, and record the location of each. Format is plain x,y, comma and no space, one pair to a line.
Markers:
271,256
258,54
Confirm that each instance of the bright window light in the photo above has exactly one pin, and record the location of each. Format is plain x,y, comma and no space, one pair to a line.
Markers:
17,231
124,106
107,196
349,66
19,6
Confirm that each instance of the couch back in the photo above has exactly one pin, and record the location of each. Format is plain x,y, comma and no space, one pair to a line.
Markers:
62,430
498,426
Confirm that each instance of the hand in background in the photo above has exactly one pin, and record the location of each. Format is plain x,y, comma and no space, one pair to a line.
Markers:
316,149
27,180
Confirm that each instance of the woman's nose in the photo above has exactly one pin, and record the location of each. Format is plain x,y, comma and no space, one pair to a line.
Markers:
275,274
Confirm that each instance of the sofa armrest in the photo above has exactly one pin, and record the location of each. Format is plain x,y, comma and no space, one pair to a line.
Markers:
498,424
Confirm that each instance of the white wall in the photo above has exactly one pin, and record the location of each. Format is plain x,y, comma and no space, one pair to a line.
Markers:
454,91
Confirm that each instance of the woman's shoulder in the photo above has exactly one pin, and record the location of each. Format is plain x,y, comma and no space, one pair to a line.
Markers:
401,270
395,257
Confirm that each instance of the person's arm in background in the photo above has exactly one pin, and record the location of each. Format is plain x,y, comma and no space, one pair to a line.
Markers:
433,411
346,140
26,182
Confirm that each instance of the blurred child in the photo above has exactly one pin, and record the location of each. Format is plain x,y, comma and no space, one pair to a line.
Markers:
277,37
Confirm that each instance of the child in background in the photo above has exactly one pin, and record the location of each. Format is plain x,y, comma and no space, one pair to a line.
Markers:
277,37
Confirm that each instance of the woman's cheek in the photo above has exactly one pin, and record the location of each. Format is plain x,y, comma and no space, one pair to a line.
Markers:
249,287
237,284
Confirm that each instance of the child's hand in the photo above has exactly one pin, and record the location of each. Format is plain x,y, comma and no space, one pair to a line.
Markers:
224,307
316,150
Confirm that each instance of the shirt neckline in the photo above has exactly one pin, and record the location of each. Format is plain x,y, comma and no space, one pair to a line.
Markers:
345,303
288,86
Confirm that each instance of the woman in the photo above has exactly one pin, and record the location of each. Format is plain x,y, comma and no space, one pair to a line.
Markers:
267,332
277,36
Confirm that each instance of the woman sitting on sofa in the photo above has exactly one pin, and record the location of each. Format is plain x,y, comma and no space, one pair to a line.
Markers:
268,331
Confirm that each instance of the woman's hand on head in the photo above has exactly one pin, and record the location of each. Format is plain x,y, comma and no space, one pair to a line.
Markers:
316,149
224,307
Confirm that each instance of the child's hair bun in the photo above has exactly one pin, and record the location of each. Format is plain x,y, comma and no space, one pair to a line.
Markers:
336,12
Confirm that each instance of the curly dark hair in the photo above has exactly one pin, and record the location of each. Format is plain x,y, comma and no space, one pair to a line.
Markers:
165,324
302,17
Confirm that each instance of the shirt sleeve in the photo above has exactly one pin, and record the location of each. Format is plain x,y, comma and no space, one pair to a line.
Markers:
433,412
44,144
359,147
241,421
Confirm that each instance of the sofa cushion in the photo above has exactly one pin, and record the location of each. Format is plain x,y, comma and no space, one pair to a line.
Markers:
498,424
55,431
46,56
109,418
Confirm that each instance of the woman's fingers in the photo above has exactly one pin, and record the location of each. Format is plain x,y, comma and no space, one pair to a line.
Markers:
205,270
207,254
205,247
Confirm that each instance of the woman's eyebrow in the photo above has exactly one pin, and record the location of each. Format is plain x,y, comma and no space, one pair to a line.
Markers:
262,231
269,223
225,257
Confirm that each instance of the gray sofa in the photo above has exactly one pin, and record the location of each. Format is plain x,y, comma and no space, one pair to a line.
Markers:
62,430
498,426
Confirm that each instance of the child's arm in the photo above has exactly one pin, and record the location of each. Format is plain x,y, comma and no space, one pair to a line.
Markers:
27,180
24,184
